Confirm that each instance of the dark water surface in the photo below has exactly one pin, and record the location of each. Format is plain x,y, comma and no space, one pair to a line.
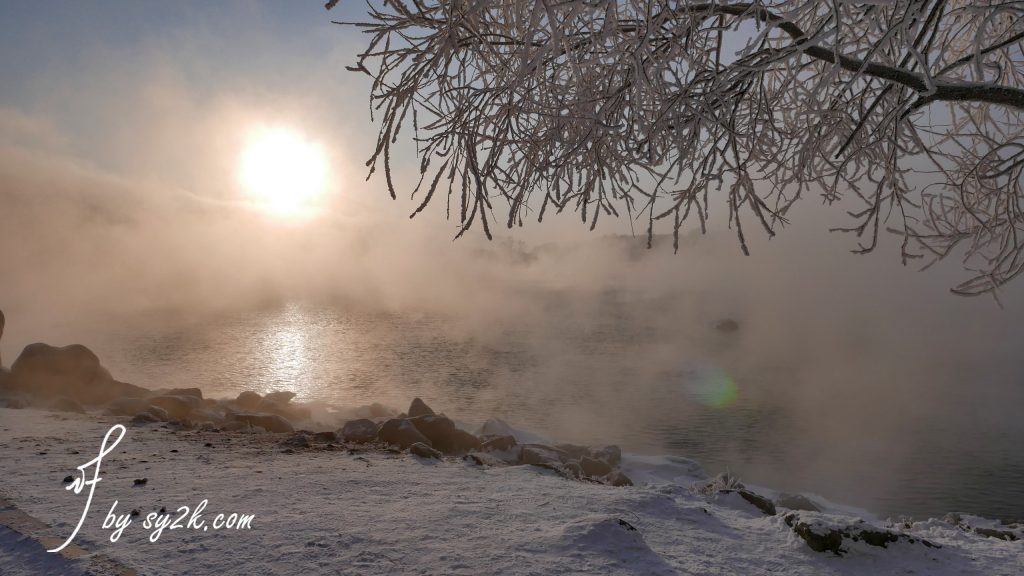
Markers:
620,379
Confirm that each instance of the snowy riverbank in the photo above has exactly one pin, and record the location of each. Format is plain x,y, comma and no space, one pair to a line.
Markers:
337,509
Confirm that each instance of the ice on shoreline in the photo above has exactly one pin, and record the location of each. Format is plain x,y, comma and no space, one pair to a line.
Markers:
340,511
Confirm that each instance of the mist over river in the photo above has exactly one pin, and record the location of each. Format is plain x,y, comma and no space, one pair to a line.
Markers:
622,377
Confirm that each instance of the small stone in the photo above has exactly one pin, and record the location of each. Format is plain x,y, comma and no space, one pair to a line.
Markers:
422,450
68,479
297,441
140,481
325,437
135,512
993,533
208,444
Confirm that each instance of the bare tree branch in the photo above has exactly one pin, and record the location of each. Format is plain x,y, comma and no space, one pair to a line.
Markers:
667,110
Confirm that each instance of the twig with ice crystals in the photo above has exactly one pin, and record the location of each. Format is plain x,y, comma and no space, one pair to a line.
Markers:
657,108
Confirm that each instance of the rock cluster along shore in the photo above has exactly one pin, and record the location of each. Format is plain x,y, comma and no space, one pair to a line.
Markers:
71,378
427,434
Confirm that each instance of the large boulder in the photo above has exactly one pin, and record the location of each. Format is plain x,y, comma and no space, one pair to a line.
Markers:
158,413
282,397
760,502
610,454
797,502
63,404
484,459
360,431
496,427
328,436
127,406
824,534
143,418
419,408
269,422
1007,535
177,407
593,467
460,442
248,400
73,371
542,455
498,443
574,451
401,432
277,403
444,435
192,392
617,478
437,428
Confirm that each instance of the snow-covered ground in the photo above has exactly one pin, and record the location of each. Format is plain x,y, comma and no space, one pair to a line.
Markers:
336,511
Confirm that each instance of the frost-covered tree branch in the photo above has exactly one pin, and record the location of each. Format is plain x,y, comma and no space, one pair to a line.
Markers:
907,112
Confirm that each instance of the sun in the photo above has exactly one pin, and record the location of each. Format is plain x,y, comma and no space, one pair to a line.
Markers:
283,173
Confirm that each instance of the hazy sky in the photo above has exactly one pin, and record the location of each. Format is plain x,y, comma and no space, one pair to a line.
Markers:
106,76
157,97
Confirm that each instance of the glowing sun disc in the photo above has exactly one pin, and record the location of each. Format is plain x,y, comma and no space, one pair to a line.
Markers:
283,173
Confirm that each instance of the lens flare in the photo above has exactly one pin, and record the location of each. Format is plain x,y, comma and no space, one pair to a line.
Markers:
713,387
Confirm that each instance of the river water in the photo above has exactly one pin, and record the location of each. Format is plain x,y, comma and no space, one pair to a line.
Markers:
614,378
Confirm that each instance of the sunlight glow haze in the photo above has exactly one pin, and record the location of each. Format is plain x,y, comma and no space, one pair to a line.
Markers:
283,173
